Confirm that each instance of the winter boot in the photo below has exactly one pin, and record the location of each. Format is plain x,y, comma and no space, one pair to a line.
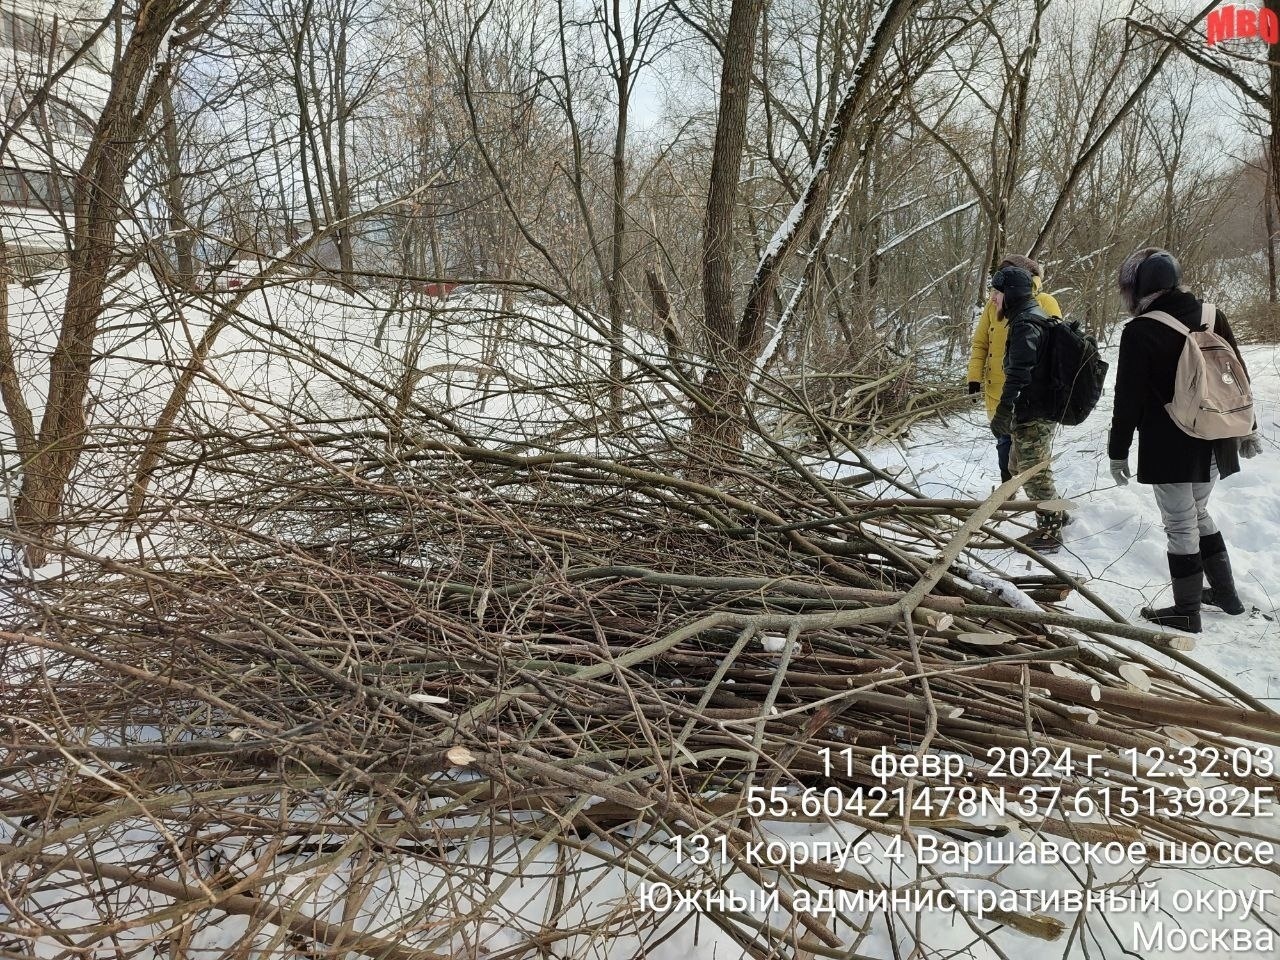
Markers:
1221,592
1047,536
1187,574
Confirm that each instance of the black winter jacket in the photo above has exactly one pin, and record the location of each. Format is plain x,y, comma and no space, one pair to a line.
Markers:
1026,395
1148,364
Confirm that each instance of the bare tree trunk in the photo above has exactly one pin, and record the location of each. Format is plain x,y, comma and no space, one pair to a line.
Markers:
99,207
717,426
1273,162
663,310
1269,217
306,128
438,266
183,242
342,174
734,348
622,81
10,386
1018,126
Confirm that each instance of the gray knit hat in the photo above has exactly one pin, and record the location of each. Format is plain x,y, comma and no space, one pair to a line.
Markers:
1145,275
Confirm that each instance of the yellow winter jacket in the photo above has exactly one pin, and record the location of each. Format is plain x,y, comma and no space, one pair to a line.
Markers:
986,359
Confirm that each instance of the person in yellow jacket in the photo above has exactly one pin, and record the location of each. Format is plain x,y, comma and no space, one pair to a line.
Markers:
986,358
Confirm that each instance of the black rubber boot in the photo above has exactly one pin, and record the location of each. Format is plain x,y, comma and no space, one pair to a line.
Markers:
1221,592
1186,571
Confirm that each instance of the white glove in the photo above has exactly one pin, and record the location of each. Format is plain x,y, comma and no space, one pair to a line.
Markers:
1120,472
1251,446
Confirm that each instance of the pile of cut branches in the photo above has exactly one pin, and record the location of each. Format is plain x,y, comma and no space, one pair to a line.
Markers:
442,700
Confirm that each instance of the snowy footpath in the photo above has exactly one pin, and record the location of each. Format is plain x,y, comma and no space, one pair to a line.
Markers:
1115,544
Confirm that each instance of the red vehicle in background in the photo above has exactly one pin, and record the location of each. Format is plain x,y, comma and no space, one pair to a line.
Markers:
439,291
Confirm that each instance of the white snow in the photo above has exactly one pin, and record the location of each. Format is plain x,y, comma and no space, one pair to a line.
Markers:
1003,589
773,643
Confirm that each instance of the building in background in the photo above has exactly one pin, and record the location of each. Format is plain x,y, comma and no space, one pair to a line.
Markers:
53,86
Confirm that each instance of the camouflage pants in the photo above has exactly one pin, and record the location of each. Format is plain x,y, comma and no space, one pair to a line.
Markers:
1033,443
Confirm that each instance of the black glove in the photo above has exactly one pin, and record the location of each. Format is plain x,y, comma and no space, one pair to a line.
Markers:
1002,422
974,387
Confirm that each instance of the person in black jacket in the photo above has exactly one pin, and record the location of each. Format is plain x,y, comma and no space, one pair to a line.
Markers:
1181,468
1025,408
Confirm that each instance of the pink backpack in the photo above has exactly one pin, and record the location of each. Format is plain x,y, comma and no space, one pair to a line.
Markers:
1212,398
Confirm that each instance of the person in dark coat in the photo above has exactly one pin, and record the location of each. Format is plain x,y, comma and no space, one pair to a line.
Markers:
1025,409
986,357
1181,469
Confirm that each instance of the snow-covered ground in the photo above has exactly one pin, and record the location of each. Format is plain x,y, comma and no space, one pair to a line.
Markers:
1115,543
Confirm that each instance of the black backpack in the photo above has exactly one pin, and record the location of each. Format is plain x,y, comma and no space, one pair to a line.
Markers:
1071,370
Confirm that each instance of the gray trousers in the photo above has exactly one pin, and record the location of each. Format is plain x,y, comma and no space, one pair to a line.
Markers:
1184,508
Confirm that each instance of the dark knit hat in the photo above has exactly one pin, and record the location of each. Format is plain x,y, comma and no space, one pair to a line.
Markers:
1015,284
1147,273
